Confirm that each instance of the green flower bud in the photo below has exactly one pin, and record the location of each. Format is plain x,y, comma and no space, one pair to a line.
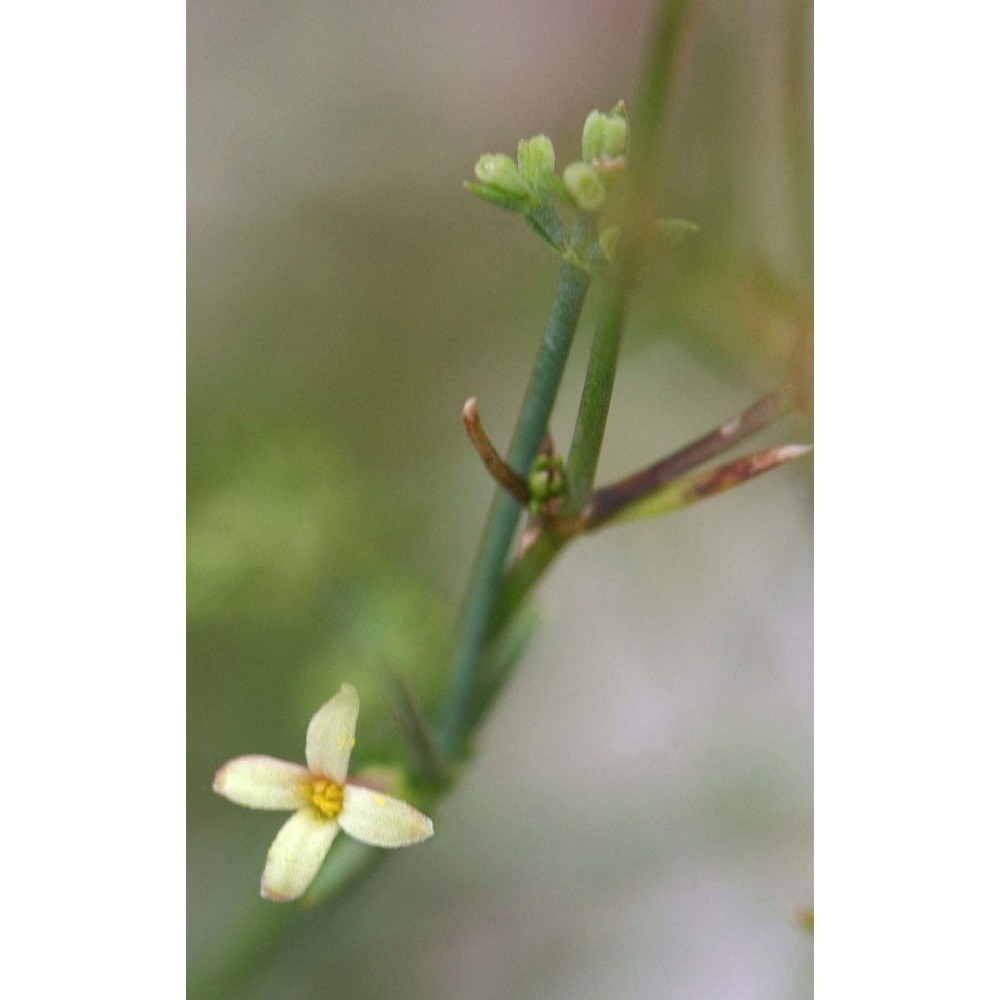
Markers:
536,159
546,484
593,135
609,241
499,171
538,484
615,137
584,186
605,136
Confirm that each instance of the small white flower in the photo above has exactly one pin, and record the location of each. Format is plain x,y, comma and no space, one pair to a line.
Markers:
323,797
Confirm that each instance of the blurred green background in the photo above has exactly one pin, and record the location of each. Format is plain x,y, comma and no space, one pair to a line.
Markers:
638,820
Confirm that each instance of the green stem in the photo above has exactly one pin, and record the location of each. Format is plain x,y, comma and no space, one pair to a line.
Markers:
484,592
253,943
523,574
487,571
592,417
595,400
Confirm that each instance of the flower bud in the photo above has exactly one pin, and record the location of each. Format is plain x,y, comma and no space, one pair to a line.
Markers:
536,159
615,140
593,135
538,484
499,171
546,484
605,136
584,186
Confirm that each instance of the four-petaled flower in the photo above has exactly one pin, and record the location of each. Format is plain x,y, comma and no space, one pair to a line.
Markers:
323,797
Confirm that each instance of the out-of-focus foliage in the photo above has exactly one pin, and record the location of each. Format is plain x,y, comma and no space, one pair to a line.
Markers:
268,524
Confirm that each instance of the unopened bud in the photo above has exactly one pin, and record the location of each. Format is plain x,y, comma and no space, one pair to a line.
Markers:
499,171
584,186
593,135
546,484
615,137
536,159
538,484
605,136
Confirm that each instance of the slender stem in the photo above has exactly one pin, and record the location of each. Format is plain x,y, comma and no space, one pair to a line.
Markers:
255,942
595,401
607,501
479,611
524,573
487,571
798,101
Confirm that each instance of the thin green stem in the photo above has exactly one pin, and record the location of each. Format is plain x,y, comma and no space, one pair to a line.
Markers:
595,400
484,592
524,573
501,524
254,942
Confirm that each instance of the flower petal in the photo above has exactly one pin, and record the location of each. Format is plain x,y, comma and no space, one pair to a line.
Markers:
296,854
262,783
380,820
331,735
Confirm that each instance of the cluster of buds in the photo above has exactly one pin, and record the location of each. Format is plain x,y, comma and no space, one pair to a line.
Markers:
528,185
605,142
520,185
546,485
532,187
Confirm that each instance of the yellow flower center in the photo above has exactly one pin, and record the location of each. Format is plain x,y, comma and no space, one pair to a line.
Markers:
327,796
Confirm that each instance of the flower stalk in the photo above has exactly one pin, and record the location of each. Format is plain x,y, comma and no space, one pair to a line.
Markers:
480,616
501,524
595,400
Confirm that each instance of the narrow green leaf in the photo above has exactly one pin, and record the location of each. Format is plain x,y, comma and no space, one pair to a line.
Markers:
430,767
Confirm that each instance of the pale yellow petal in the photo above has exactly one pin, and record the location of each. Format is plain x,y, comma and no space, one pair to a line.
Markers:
296,855
331,735
263,783
380,820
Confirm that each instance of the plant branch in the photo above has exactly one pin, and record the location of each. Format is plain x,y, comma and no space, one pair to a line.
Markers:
501,524
595,400
686,490
484,591
606,502
525,572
